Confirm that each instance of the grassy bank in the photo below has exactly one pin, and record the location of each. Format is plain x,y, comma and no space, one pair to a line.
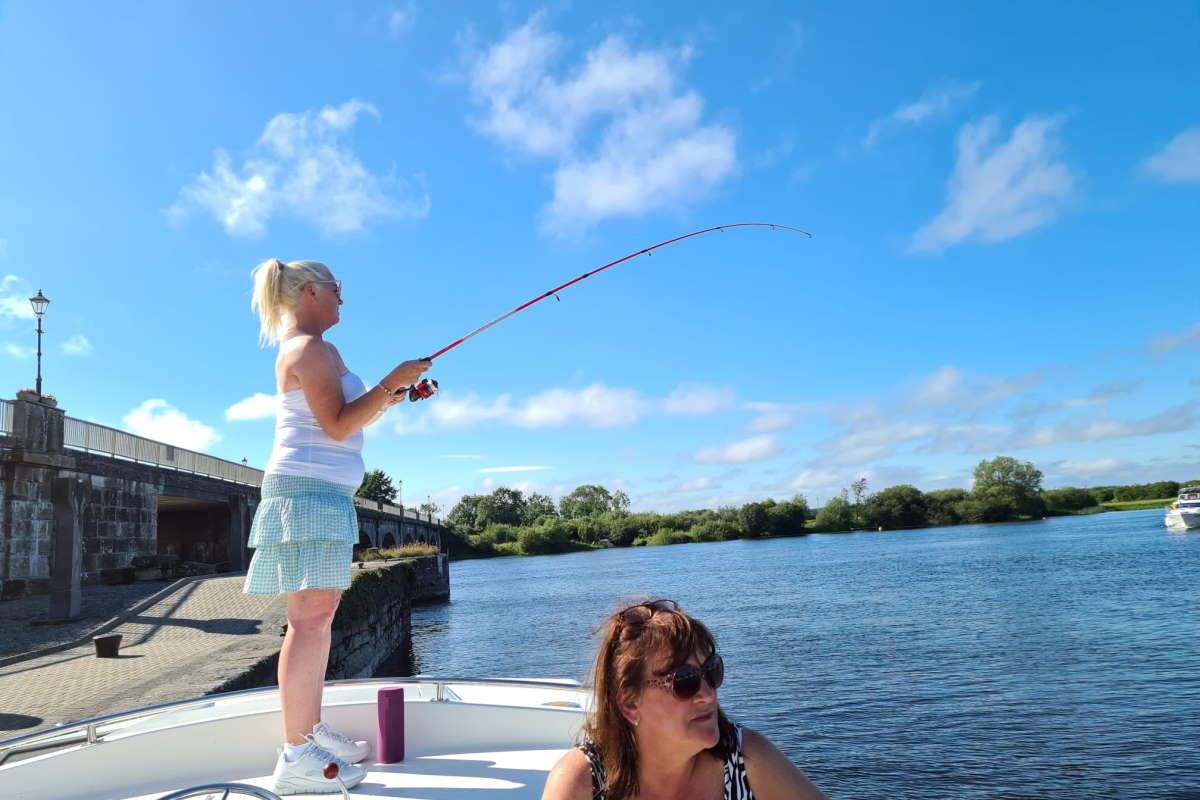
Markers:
1138,505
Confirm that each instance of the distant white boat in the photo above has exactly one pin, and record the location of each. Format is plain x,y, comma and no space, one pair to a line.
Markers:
1184,513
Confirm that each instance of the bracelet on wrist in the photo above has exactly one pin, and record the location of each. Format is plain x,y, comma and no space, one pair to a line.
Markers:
387,391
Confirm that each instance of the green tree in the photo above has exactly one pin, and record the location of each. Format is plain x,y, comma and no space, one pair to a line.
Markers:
585,501
538,506
1006,481
836,515
788,518
991,505
1007,472
859,488
754,520
900,506
462,517
1068,498
377,486
552,535
505,506
942,504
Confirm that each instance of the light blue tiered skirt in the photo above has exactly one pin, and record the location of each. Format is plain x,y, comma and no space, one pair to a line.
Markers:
303,536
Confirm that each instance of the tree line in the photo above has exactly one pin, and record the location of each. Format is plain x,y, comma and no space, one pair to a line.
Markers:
509,522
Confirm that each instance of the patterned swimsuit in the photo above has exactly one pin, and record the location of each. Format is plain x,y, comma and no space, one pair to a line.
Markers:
737,786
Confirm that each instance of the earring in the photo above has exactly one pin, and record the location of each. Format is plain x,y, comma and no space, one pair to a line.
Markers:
635,723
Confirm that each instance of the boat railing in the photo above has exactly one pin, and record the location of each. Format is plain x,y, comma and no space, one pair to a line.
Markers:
210,789
89,731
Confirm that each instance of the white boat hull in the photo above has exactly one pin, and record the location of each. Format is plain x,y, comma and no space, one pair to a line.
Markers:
502,737
1178,519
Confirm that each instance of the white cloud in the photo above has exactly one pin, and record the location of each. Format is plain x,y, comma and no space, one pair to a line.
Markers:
812,481
697,485
400,20
1000,190
951,387
693,399
624,138
159,420
18,351
14,298
1177,418
1187,337
1101,395
1178,162
598,406
756,448
256,406
301,168
771,422
934,103
514,469
1090,469
77,345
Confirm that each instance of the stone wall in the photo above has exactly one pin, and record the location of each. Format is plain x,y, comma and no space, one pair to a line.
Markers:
431,579
118,523
374,620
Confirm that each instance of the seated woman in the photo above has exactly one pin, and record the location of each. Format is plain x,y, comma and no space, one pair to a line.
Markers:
656,730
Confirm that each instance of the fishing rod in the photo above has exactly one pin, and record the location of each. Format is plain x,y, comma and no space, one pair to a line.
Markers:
429,387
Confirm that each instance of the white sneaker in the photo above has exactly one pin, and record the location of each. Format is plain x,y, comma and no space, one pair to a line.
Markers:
349,750
306,775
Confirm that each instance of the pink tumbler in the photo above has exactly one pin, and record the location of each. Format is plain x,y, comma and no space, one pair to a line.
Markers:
391,725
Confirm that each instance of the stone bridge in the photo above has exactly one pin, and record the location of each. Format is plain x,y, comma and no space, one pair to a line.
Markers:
79,502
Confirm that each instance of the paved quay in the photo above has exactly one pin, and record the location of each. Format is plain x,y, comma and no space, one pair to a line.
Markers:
178,641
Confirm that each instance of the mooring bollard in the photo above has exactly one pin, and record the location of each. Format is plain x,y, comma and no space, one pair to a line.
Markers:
107,645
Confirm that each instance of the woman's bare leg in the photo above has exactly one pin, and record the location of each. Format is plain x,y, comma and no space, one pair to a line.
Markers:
304,658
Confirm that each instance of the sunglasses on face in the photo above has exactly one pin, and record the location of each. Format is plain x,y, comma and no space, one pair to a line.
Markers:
684,680
337,287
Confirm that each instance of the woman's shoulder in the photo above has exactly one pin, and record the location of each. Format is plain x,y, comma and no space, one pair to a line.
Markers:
571,777
771,773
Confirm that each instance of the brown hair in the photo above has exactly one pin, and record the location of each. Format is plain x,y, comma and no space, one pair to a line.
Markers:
634,640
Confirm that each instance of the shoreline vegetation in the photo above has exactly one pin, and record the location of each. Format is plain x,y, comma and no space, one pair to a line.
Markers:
509,523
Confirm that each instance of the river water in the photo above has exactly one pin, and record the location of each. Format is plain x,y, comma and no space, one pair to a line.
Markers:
1052,659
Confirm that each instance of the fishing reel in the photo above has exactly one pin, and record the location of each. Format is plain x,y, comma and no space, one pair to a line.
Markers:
424,390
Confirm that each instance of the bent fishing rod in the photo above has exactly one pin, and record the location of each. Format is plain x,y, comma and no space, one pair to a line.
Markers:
429,387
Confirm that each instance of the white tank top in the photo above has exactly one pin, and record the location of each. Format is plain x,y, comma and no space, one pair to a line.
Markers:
303,449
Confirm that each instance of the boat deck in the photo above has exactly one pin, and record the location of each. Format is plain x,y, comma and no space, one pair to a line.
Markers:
516,774
464,739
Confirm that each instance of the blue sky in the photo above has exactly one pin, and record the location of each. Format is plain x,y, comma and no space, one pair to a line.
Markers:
1003,202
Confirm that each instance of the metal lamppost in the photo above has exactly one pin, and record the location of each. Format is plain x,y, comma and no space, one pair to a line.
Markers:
39,304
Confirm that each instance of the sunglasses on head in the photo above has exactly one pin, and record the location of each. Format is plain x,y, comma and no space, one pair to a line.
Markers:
684,680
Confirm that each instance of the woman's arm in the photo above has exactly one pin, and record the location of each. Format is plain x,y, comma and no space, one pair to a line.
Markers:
314,367
571,778
772,776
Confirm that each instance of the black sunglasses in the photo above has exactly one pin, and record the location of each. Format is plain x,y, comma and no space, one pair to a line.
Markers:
684,680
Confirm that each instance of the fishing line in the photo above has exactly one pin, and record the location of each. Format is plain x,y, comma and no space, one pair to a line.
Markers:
429,387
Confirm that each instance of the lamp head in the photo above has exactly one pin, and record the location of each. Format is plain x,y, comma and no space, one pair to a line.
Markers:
39,303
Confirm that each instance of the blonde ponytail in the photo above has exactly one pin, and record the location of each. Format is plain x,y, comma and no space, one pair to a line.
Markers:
277,291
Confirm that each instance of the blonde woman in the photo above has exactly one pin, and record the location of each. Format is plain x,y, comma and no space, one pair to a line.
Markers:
305,527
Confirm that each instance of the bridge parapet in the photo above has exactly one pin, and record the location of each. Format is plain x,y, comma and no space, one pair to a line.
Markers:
146,498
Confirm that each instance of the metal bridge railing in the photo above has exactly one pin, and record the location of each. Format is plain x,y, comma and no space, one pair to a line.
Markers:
89,436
